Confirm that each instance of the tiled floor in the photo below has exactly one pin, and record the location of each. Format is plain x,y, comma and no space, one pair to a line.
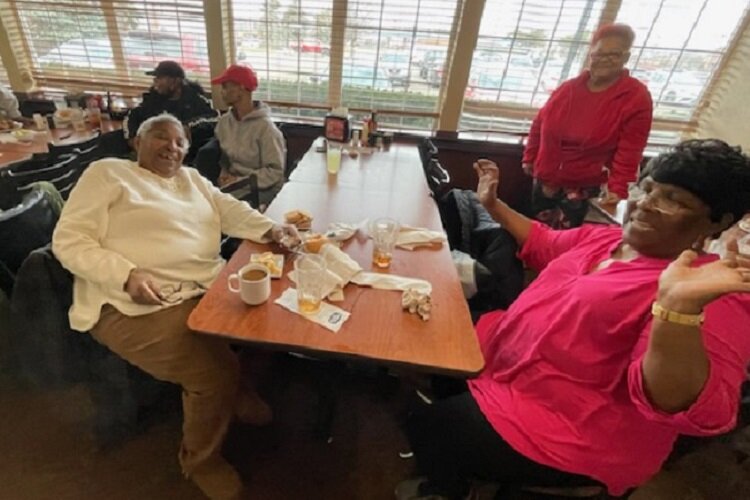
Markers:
48,450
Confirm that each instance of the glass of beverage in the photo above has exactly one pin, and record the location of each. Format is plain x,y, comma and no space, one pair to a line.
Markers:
95,117
310,273
333,157
384,232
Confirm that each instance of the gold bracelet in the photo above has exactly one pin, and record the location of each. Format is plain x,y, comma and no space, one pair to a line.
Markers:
674,317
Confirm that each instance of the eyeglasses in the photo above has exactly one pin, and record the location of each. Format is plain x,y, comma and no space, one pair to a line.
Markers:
607,55
173,294
661,204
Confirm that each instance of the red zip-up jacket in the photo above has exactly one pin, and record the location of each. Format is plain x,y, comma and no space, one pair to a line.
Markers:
618,134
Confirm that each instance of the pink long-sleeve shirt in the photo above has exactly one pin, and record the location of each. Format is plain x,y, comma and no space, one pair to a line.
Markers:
563,383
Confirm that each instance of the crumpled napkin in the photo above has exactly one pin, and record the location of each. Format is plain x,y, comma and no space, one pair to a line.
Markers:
340,268
341,231
8,139
411,237
328,316
391,282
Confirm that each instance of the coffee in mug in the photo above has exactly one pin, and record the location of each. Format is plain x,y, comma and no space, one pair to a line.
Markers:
254,275
252,282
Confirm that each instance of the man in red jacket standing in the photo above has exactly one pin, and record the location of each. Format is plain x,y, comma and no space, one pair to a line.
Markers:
590,134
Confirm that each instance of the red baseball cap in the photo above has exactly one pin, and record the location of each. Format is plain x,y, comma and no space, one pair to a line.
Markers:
243,75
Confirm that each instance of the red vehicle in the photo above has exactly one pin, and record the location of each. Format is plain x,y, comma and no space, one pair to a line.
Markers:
144,50
310,46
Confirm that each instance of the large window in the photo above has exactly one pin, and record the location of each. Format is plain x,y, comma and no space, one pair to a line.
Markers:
109,44
406,59
66,41
288,43
678,46
525,49
394,57
525,53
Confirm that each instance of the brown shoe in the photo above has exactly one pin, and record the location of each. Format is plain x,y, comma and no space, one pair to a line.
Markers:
252,410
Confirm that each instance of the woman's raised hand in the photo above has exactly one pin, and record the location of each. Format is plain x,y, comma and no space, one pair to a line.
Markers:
687,289
489,178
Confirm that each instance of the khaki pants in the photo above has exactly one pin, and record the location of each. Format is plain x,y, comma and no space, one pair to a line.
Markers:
162,345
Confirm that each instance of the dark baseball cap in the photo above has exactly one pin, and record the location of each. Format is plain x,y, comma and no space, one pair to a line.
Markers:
167,68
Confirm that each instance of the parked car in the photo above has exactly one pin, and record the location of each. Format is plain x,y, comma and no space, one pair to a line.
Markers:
81,53
144,49
310,46
431,66
396,67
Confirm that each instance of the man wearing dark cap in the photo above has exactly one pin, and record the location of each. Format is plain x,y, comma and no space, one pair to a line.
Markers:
172,93
250,141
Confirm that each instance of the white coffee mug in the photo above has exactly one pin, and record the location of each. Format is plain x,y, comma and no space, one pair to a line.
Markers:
252,282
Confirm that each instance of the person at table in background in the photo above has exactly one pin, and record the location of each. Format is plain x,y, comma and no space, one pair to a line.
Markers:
591,133
142,241
625,332
9,107
172,93
250,141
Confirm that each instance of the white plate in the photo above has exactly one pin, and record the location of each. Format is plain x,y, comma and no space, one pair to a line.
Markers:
278,261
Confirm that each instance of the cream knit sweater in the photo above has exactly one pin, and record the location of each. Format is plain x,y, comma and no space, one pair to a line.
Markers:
121,216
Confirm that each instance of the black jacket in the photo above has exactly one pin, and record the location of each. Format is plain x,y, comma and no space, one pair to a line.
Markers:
192,107
471,229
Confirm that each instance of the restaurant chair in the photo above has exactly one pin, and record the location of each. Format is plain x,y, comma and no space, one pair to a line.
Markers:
438,178
44,107
23,228
207,161
290,162
63,173
427,151
48,354
200,134
113,144
59,150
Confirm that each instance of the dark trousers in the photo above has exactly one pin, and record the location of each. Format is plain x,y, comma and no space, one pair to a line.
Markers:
453,442
565,209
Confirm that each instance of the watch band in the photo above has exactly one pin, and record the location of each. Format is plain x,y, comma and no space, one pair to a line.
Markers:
674,317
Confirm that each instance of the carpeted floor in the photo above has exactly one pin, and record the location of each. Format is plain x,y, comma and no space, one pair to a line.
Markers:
48,451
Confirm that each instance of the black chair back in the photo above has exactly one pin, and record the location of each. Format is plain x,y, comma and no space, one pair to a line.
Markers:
113,145
207,161
28,107
26,227
427,151
63,174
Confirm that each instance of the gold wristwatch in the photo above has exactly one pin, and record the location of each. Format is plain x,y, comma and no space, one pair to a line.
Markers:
674,317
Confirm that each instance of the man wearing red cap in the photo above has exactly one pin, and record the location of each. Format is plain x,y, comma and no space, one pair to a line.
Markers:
250,142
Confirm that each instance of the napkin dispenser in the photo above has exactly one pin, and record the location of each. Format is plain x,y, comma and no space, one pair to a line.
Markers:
336,125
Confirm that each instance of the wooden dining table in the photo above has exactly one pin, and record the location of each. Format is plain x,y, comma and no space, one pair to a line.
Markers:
378,330
11,152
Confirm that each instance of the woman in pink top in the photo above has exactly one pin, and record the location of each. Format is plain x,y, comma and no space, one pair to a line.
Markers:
628,338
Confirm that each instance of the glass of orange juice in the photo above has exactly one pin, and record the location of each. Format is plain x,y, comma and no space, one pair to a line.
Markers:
384,232
310,271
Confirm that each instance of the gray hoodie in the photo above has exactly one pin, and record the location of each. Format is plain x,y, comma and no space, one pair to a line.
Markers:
253,145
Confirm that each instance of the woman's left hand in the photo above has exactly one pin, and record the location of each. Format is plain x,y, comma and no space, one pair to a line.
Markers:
285,235
687,289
